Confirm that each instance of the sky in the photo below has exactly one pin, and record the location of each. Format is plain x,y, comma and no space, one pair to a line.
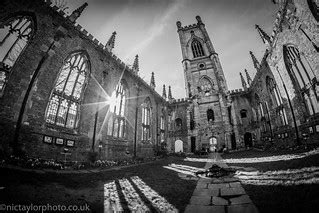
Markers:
148,28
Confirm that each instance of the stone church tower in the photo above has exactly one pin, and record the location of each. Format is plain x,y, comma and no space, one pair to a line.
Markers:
209,111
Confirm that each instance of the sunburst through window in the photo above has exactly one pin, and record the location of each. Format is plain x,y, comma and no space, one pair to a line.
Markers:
66,96
14,36
146,120
117,124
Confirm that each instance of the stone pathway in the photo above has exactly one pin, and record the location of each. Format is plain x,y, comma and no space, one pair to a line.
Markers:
220,195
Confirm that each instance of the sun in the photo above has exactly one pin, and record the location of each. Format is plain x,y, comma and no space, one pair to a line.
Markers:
111,101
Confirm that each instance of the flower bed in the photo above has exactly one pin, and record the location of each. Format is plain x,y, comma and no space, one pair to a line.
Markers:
38,163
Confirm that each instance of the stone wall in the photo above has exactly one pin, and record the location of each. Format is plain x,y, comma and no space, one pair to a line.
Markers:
105,72
295,26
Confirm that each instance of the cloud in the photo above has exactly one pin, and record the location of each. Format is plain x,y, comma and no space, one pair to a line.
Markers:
156,29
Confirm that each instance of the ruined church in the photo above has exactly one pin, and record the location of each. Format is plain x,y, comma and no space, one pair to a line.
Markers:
62,91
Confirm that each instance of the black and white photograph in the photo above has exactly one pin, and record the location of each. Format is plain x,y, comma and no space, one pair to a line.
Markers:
175,106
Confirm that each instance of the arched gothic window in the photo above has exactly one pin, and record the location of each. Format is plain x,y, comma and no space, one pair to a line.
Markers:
169,122
302,76
314,8
273,91
146,120
276,99
15,34
162,129
205,86
260,108
197,49
117,122
178,123
65,100
210,115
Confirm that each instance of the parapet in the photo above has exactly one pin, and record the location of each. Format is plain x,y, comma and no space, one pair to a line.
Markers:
99,45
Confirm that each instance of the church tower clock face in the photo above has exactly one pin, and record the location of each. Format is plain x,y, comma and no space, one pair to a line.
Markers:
205,86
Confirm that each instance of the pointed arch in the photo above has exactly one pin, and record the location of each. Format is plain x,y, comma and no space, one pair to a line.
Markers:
63,106
162,127
118,108
146,119
276,99
178,123
273,91
302,77
206,85
197,48
260,109
16,31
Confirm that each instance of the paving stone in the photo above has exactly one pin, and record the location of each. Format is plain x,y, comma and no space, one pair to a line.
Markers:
232,191
206,192
215,180
243,208
218,186
240,200
218,201
208,195
204,180
204,209
235,184
201,186
230,179
200,200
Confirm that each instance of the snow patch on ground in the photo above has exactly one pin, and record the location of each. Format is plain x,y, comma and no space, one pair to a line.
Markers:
260,159
308,175
113,203
188,170
159,202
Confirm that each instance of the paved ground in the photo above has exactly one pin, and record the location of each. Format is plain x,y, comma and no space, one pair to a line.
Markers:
223,195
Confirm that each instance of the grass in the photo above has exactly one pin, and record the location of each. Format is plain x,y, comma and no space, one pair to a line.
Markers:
70,189
298,199
301,198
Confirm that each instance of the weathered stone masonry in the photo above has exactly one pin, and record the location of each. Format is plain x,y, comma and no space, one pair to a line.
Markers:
272,107
105,71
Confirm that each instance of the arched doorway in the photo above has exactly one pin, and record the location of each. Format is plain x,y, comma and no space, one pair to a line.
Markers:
212,144
178,146
248,139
